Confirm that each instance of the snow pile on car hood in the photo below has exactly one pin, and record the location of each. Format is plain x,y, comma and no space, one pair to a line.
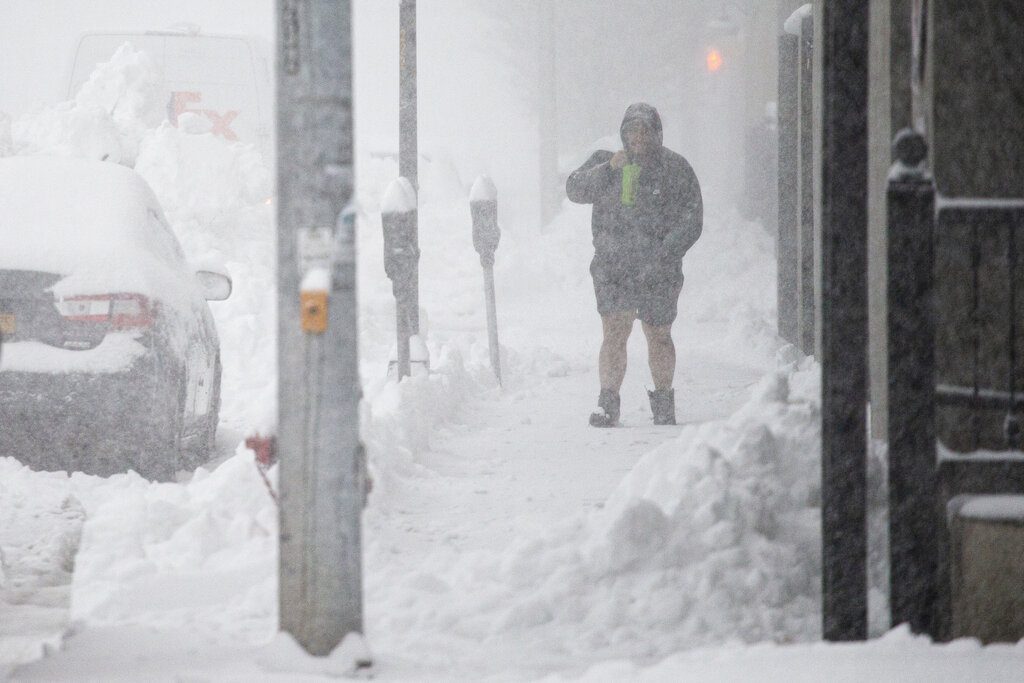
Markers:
108,118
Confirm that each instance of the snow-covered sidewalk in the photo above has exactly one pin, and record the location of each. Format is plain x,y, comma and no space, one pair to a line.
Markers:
515,466
515,461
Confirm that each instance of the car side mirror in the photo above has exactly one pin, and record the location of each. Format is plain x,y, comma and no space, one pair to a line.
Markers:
215,286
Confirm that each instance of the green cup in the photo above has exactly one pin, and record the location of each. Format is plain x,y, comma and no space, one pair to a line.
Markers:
629,176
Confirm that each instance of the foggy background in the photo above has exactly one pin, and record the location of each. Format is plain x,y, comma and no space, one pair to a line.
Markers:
500,84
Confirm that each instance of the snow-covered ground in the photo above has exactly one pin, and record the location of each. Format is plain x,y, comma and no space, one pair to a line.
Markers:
504,537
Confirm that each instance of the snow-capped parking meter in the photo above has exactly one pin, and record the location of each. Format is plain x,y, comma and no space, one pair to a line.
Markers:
483,206
401,259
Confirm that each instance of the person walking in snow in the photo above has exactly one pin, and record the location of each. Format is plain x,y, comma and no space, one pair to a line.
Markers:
647,213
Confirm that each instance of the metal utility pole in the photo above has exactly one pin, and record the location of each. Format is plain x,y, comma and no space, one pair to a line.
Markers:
321,460
844,318
805,284
547,112
787,247
408,145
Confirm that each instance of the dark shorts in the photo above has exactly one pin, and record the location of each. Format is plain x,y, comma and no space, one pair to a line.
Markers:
654,297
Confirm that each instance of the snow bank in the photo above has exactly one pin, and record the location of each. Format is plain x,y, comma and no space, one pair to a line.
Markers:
108,118
716,533
40,523
400,418
899,656
200,555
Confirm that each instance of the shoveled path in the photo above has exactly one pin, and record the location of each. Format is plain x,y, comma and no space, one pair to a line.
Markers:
515,466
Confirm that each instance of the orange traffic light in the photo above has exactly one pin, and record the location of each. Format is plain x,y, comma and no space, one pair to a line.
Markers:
714,60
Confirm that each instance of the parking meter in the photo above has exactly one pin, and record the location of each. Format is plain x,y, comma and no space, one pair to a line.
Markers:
401,252
401,260
483,205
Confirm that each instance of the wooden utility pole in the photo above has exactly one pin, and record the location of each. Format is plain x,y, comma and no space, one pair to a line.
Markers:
321,460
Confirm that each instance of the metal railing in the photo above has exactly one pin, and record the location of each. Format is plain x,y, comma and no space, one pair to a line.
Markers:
954,393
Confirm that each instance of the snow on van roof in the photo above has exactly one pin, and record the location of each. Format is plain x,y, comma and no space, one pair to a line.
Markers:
96,222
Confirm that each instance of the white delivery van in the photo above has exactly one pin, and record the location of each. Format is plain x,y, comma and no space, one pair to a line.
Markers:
225,78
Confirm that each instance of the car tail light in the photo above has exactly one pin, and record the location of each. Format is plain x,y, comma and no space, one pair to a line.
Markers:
108,311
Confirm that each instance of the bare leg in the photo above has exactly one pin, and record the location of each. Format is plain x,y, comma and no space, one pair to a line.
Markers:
661,354
612,361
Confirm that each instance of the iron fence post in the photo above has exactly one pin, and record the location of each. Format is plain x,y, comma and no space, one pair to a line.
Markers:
913,483
844,319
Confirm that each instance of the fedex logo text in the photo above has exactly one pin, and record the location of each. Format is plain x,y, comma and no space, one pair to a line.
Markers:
179,104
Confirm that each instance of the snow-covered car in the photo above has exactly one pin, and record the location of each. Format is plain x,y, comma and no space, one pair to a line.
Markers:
110,359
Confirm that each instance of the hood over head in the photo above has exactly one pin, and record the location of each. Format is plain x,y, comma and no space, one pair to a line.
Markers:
646,114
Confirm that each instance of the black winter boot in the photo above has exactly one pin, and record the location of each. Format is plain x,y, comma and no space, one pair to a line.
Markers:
663,405
607,413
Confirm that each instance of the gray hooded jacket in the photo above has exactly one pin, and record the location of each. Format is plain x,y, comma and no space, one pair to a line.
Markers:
665,219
